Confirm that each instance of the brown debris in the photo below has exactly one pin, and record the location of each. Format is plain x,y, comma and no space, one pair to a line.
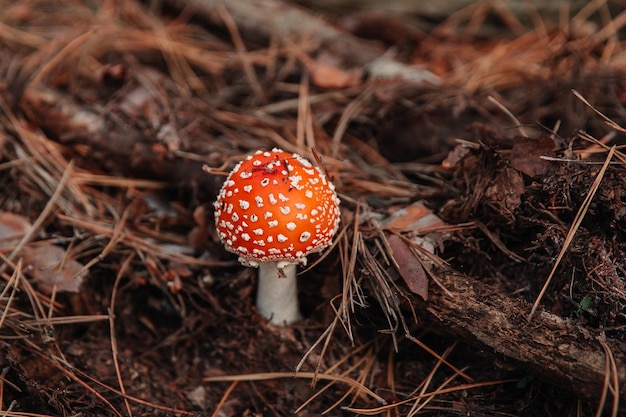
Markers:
409,266
463,160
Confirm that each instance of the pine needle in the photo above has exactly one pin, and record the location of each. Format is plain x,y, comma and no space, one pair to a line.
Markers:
574,228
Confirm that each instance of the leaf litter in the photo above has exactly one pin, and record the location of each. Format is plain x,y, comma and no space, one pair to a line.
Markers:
466,166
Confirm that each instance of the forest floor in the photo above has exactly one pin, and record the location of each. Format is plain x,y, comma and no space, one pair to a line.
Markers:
479,268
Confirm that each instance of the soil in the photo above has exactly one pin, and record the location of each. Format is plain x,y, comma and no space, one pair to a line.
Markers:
479,266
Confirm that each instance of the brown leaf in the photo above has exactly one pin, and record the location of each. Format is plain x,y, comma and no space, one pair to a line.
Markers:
328,76
49,265
526,153
413,217
409,266
507,189
12,228
455,156
199,235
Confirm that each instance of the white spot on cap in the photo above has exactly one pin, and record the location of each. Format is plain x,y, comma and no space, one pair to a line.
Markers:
254,218
267,215
244,204
285,210
295,181
282,197
258,231
272,223
305,236
281,238
272,198
291,226
247,188
259,201
245,236
245,175
265,182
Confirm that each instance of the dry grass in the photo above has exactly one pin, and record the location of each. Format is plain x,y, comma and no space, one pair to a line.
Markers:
108,115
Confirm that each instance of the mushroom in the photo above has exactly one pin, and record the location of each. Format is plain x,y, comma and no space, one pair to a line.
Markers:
274,209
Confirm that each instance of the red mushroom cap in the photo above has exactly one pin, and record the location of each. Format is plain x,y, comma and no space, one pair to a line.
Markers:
276,207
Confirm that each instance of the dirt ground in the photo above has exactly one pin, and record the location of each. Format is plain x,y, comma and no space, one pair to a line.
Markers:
479,268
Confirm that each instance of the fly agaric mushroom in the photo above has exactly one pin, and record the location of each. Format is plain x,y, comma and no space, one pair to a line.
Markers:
273,210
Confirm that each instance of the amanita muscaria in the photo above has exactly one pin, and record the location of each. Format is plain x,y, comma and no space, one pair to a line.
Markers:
274,209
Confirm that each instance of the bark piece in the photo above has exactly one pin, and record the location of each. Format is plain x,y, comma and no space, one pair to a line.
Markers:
558,350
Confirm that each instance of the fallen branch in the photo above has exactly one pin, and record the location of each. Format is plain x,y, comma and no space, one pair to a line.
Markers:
275,18
120,147
269,18
558,350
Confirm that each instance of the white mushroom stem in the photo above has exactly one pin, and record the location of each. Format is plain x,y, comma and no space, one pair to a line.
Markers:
277,293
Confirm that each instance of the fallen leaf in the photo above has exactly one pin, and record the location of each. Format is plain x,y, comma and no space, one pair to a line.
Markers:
507,189
12,228
199,235
49,265
526,155
385,68
198,397
409,266
411,218
328,76
455,156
